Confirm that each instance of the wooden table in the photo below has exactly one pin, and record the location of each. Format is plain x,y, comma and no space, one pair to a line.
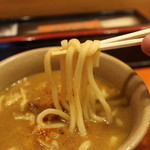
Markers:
19,8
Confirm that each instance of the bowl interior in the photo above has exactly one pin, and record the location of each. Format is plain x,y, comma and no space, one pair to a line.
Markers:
111,69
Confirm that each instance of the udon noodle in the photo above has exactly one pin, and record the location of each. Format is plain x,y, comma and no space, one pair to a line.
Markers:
80,92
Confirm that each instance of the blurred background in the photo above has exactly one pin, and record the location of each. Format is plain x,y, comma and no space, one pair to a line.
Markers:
20,8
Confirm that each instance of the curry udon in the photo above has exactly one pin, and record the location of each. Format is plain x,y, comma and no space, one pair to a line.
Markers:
70,109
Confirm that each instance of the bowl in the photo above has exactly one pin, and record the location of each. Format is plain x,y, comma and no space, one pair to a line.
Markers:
111,69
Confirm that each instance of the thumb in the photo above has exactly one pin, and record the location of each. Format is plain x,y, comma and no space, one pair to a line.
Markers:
145,45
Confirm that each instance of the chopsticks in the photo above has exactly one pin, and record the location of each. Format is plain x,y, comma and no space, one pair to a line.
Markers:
126,40
128,36
121,44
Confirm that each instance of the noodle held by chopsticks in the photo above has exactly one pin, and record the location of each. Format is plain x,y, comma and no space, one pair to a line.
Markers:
80,92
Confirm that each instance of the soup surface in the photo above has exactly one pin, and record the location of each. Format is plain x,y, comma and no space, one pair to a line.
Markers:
24,100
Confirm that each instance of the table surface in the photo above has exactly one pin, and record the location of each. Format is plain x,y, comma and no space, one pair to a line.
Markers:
19,8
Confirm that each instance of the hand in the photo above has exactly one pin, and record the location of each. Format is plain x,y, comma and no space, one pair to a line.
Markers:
145,45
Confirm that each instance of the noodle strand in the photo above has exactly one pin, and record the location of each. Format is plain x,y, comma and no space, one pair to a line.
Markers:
80,93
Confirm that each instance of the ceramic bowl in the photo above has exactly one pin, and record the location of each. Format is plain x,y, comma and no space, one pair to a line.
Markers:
111,69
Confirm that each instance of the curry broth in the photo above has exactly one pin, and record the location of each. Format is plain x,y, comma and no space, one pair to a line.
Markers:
22,134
